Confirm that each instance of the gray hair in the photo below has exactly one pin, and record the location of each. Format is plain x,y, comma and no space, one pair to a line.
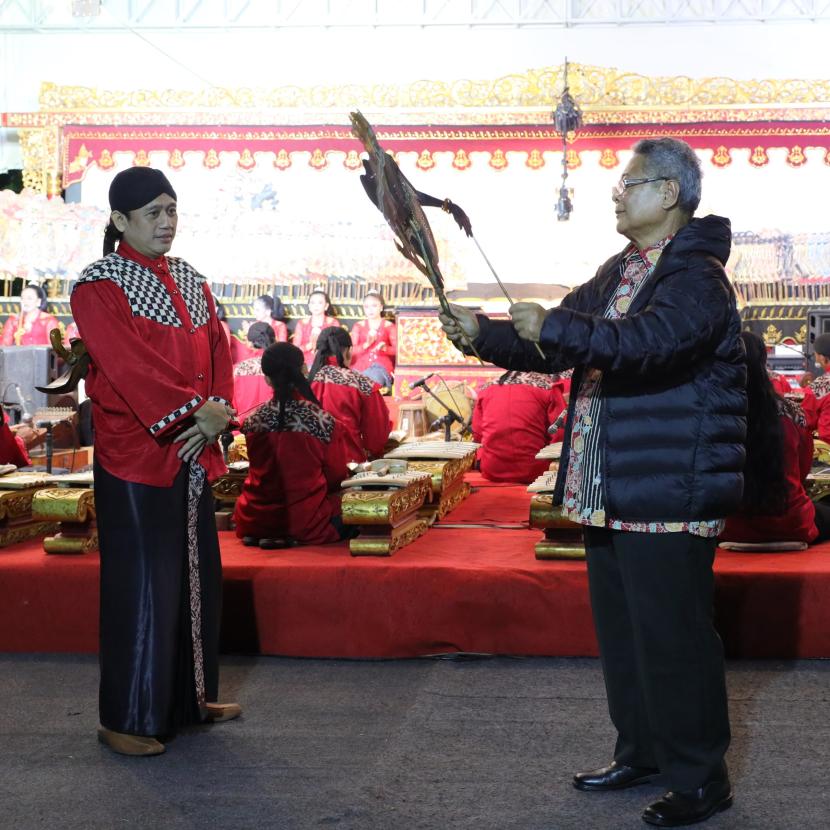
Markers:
676,160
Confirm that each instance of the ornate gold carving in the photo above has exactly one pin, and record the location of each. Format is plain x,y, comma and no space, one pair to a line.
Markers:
16,504
71,544
351,162
64,504
384,507
594,87
387,544
246,160
26,530
772,335
41,159
572,159
211,159
535,160
176,160
141,159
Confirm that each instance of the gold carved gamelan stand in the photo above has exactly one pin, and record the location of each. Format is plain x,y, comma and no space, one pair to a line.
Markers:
17,522
385,510
74,509
563,538
445,462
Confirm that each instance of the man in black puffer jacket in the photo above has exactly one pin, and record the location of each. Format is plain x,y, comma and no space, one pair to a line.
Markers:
651,464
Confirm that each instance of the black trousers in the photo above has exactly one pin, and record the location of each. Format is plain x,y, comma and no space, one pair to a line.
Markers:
146,648
651,596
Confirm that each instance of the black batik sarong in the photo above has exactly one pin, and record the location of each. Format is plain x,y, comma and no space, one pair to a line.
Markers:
161,583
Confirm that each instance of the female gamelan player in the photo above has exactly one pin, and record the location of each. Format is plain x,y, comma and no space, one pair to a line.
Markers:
297,457
351,397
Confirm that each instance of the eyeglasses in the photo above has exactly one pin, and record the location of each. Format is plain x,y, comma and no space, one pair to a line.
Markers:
623,184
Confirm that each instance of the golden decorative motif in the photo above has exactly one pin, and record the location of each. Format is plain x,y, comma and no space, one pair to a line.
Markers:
64,504
573,160
228,487
71,544
211,159
827,156
498,161
15,504
461,160
384,507
351,162
759,157
81,160
535,160
368,544
425,161
246,160
821,451
27,530
283,160
772,335
40,149
176,159
141,159
594,87
105,160
796,157
318,160
421,341
443,474
721,157
609,159
801,335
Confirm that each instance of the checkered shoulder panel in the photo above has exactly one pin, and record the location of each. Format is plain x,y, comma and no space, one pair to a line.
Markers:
191,284
145,294
168,419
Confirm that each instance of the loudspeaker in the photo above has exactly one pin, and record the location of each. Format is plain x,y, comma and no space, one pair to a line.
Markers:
818,322
27,366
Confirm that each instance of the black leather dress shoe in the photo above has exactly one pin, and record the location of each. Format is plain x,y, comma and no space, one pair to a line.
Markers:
676,809
614,777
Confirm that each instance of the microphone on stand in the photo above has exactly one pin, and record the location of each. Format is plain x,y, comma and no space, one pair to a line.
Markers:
25,415
422,381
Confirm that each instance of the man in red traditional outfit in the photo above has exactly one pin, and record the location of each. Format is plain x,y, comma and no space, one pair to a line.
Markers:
511,420
160,384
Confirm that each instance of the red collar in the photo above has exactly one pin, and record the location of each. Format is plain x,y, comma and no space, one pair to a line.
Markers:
128,252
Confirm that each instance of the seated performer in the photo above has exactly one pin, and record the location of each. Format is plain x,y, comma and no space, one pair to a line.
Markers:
297,456
779,452
308,329
511,419
351,397
160,384
12,446
31,326
263,308
817,409
250,387
374,342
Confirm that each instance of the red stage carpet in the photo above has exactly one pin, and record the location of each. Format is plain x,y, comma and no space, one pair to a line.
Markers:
474,589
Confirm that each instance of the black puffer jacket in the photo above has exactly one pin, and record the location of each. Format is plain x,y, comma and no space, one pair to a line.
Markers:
673,424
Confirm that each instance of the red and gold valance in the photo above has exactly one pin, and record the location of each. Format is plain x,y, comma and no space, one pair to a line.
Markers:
84,146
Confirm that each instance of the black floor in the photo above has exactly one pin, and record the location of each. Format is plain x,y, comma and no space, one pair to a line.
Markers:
392,745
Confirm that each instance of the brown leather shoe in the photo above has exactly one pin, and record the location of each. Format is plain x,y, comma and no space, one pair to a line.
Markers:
124,744
220,712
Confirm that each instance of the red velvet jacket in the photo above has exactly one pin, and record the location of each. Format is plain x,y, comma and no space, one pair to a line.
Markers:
293,484
250,389
374,347
158,353
357,403
511,421
797,523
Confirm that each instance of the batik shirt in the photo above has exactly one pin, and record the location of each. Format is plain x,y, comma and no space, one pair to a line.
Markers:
583,501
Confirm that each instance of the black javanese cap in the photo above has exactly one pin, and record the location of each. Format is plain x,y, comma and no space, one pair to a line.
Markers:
138,186
821,345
